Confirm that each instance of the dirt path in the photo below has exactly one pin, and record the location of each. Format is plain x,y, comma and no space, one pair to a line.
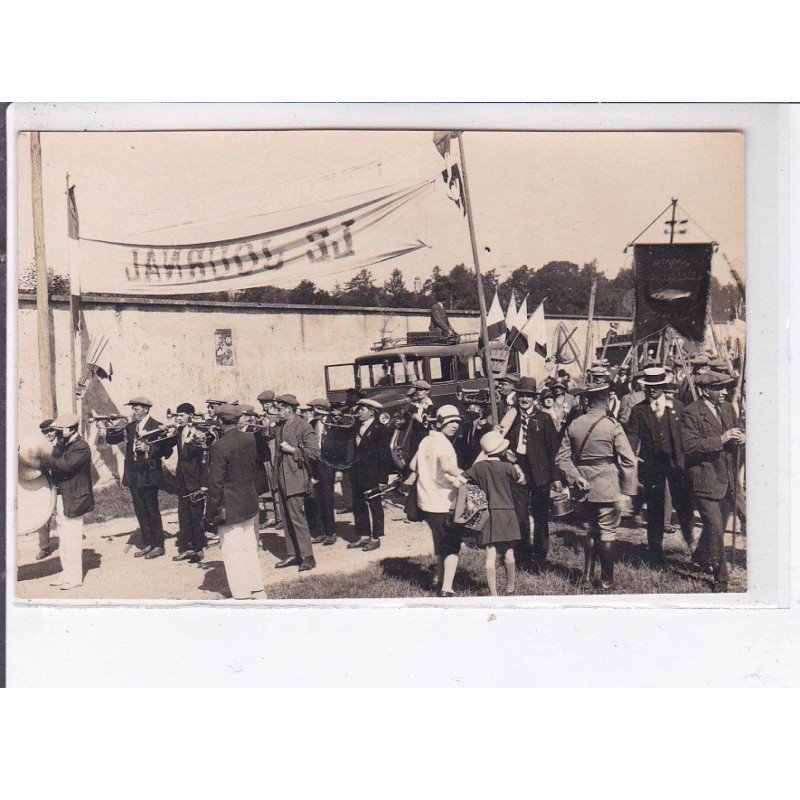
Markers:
114,574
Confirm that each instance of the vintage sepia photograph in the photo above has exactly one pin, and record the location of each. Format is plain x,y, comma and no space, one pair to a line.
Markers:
268,365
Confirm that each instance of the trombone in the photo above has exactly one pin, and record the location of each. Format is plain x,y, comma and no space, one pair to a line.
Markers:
336,418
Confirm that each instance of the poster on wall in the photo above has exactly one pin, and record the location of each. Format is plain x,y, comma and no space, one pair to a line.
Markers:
223,340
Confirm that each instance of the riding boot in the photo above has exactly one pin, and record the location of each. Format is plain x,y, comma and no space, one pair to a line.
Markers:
607,565
589,555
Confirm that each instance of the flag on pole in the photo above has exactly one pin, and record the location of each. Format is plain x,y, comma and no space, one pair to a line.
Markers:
535,335
516,337
451,174
511,316
73,231
495,321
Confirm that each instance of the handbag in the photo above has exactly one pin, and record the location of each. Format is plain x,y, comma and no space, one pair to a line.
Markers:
411,505
471,510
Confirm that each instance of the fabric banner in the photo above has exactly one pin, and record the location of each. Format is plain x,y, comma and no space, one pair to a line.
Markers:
336,236
672,284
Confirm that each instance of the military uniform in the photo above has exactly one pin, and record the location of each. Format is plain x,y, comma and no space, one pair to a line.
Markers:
596,448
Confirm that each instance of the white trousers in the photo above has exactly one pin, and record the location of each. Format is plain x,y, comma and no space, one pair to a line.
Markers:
239,545
70,544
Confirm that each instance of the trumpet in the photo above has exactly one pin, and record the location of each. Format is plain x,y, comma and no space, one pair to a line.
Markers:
336,418
103,419
159,434
258,421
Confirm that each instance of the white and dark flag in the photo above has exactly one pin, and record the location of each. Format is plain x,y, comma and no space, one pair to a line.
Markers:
533,360
447,145
495,321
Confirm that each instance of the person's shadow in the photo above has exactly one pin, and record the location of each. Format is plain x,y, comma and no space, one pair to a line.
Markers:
48,567
214,577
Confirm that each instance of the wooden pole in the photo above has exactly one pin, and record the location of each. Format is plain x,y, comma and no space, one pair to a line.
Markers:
479,280
74,334
46,377
589,328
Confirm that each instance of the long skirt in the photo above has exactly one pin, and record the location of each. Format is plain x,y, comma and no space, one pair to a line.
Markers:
240,556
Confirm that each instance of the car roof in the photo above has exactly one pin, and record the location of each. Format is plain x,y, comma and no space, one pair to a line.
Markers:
423,351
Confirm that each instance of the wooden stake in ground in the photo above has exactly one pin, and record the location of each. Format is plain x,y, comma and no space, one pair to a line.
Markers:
481,298
589,328
46,377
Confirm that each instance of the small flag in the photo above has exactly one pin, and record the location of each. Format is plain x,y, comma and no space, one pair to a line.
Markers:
534,333
73,231
511,316
495,321
517,339
451,174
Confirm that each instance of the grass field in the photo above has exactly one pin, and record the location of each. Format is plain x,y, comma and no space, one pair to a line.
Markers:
412,577
392,577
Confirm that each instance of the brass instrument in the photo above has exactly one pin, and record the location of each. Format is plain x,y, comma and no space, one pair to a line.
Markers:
104,419
336,418
258,421
157,435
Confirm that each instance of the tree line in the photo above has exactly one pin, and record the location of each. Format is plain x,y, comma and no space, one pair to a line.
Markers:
564,285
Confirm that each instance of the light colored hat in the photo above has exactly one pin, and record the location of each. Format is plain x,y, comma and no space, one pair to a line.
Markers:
493,443
320,402
421,385
140,401
654,376
287,399
369,403
66,421
447,414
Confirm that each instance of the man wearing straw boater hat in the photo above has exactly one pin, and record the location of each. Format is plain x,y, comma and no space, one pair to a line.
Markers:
711,436
232,503
654,431
596,457
143,473
71,472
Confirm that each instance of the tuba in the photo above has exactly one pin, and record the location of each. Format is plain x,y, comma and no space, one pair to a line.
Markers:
36,495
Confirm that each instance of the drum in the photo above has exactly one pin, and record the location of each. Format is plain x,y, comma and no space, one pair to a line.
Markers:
36,502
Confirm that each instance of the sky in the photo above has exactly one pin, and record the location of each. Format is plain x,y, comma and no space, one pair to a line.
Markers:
536,197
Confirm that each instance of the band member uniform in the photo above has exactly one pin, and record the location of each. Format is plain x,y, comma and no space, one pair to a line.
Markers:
143,473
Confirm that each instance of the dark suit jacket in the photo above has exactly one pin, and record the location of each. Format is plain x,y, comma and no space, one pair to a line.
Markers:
140,472
232,496
293,470
642,430
708,462
190,472
541,447
71,472
372,456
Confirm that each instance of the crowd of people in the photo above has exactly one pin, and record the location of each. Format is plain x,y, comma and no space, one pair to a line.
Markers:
241,470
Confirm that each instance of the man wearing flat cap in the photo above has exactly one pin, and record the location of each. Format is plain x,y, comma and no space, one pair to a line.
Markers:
232,503
296,449
143,473
370,472
421,412
506,384
264,436
711,438
71,472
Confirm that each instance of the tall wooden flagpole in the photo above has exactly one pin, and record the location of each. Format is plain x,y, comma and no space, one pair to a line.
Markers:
481,298
46,378
589,322
74,334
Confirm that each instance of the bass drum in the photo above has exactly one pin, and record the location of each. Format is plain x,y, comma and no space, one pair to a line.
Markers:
36,502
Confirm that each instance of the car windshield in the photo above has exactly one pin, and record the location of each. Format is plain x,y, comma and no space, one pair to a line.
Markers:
394,372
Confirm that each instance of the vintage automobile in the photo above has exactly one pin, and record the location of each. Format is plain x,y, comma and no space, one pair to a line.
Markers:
386,374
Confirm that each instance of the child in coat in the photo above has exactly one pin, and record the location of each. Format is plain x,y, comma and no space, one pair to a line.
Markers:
497,476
